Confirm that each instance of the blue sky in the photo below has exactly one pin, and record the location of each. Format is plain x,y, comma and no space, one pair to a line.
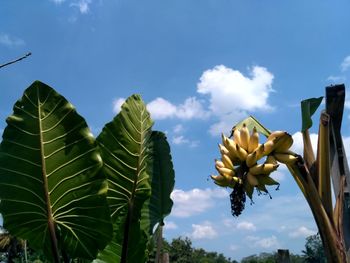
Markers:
201,66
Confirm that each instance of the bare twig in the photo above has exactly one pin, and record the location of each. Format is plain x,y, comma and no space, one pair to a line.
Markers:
16,60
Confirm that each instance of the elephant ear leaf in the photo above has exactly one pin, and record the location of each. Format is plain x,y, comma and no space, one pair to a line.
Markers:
52,190
162,174
124,145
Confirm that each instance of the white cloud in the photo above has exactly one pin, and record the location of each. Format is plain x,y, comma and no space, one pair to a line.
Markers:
203,231
117,104
245,225
298,145
336,78
234,247
191,109
232,94
161,109
170,225
58,2
345,65
178,140
230,90
10,41
82,5
226,122
302,232
266,243
178,128
195,201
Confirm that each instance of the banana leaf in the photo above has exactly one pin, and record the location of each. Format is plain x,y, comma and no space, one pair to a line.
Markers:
124,145
308,108
52,190
162,175
251,122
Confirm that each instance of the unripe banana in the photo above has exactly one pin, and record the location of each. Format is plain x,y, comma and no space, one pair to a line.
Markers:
241,153
227,161
260,169
237,136
237,180
253,141
251,159
285,158
252,180
245,136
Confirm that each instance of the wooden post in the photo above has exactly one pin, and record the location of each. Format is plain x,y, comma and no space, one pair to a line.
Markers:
335,99
283,256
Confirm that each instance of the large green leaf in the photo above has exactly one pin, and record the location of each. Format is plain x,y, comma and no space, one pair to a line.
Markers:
52,191
124,145
162,175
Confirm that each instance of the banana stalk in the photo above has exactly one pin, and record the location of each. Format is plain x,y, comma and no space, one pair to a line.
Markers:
309,155
334,248
323,165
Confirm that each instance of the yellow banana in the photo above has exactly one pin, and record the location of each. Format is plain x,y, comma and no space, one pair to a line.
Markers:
241,153
260,151
252,180
223,149
231,147
227,161
245,136
269,146
251,159
220,180
275,134
263,168
226,172
237,136
219,164
271,159
283,143
285,158
253,141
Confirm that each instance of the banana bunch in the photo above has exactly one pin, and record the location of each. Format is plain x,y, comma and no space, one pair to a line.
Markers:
247,163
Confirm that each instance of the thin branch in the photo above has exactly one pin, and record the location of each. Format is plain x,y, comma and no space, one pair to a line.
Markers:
16,60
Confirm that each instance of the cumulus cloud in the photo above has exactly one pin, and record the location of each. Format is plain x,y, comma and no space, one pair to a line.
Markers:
231,94
266,243
192,108
178,128
170,225
117,104
298,145
333,78
10,41
195,201
203,231
82,5
302,232
245,225
179,140
345,65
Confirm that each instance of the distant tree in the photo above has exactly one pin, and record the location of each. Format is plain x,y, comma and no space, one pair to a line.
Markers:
314,252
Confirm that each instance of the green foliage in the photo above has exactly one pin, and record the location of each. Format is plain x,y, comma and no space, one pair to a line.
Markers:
53,180
51,188
314,251
308,108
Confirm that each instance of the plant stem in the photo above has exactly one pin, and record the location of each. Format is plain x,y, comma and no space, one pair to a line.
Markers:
16,60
